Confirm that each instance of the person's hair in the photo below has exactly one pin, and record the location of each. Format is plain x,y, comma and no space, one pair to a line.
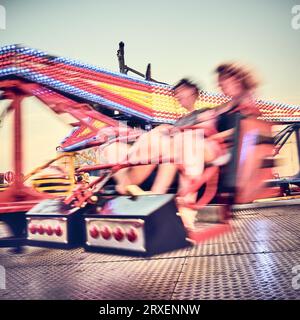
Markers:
187,83
240,73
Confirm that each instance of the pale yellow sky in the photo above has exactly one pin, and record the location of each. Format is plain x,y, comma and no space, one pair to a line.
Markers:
43,130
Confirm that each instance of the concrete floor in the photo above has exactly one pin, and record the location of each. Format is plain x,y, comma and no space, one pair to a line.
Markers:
255,261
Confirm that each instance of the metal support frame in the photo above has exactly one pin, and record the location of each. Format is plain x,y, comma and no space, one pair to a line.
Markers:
125,69
17,198
280,139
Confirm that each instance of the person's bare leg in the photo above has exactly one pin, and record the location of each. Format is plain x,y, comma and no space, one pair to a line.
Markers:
188,216
164,178
138,174
117,153
148,148
211,150
192,159
155,146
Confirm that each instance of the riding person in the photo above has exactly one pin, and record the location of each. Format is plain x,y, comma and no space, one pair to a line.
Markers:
186,94
235,82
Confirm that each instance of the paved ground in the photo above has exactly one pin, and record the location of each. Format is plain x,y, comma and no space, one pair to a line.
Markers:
253,262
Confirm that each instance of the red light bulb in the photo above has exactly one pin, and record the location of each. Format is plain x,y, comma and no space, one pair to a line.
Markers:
106,232
119,234
58,231
94,232
132,234
40,229
32,228
49,231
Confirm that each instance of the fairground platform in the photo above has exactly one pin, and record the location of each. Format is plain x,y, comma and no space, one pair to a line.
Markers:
254,261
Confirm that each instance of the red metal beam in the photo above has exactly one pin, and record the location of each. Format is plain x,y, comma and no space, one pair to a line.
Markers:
17,197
